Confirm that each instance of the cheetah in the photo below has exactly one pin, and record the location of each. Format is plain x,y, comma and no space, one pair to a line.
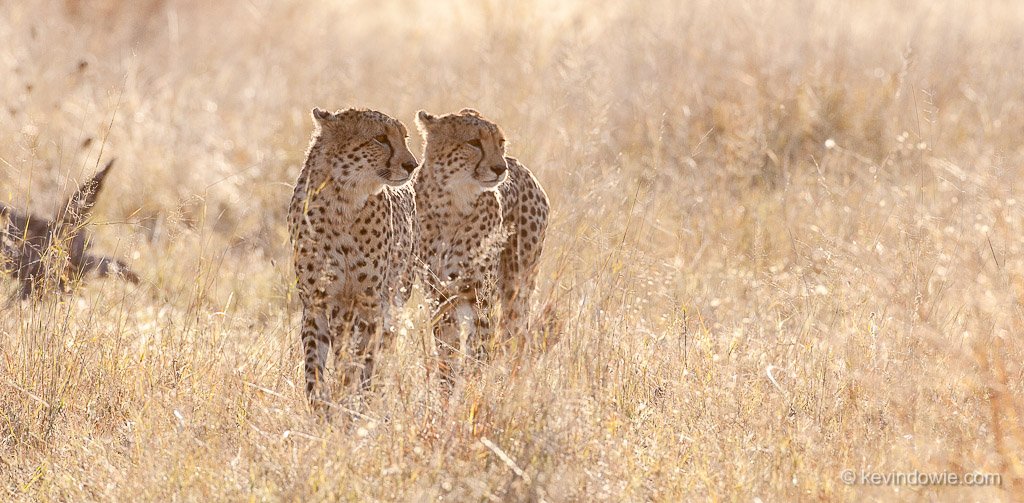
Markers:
482,222
42,252
353,232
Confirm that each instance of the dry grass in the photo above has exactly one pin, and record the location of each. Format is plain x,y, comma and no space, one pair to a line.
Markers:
786,241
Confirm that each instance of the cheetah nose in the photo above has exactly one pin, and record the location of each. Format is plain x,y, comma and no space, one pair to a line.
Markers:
409,167
498,169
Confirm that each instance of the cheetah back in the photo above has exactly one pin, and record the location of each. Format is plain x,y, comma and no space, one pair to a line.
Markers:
525,214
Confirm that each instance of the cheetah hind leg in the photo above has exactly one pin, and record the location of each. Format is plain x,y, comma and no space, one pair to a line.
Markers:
354,358
452,332
315,344
515,317
446,342
481,336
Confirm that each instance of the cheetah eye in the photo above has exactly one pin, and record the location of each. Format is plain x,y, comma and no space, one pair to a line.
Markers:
476,143
383,139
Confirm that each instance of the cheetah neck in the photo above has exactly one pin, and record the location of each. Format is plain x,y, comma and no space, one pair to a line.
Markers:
349,203
339,195
462,198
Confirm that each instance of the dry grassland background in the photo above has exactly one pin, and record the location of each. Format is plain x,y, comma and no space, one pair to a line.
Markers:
786,240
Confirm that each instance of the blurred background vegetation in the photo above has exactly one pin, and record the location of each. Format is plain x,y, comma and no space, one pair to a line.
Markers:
785,241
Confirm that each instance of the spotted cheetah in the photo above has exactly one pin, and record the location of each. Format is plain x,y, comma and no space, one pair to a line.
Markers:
482,220
353,231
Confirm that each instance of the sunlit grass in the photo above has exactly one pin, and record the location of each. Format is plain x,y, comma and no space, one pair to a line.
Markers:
785,241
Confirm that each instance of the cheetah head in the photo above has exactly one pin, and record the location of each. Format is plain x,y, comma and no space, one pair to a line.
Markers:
465,150
367,148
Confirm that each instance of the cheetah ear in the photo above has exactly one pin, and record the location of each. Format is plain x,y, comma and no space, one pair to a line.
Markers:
424,119
469,111
321,115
